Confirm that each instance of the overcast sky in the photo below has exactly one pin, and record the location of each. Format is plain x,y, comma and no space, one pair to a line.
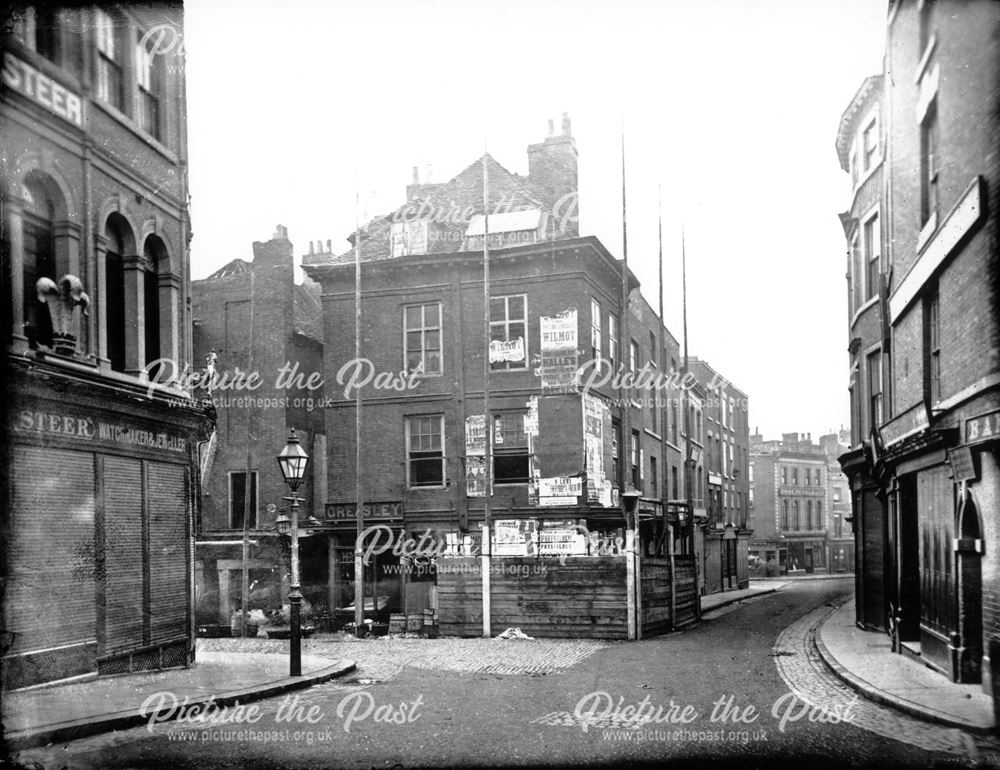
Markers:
731,106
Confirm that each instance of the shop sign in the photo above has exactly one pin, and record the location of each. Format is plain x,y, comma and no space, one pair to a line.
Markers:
89,429
372,511
985,427
41,89
963,467
911,421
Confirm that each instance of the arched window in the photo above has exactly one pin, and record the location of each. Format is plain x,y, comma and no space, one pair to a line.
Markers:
796,521
156,263
118,235
784,514
819,515
39,255
809,514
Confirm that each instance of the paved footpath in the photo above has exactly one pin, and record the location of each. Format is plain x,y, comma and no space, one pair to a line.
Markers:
805,673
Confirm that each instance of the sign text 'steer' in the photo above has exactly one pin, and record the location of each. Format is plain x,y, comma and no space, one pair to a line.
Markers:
41,89
89,429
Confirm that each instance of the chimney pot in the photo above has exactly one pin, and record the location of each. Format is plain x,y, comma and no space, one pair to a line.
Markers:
566,124
552,127
329,246
310,248
416,175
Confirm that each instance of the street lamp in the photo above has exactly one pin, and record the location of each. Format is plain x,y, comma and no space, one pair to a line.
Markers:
292,461
629,498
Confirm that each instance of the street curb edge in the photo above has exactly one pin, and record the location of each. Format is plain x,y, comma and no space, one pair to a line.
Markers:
82,728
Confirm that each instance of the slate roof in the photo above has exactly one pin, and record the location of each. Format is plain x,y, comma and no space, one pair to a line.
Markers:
307,310
448,201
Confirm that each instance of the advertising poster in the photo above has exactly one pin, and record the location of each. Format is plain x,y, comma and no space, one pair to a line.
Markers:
559,355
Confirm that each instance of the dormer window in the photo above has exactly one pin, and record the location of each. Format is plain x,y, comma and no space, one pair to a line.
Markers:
409,237
510,228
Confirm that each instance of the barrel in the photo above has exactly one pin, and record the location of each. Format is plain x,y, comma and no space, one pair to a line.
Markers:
397,623
414,623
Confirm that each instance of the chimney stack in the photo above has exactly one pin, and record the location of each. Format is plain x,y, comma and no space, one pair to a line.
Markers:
552,127
416,175
566,125
552,170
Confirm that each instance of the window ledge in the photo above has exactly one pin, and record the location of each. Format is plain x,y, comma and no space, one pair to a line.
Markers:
126,121
868,303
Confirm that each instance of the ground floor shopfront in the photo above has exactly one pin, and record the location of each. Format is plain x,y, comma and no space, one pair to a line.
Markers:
928,538
101,491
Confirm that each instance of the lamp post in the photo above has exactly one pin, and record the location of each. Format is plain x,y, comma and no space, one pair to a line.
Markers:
629,501
292,461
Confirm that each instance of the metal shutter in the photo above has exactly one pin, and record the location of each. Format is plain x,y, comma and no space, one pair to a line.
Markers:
123,549
168,551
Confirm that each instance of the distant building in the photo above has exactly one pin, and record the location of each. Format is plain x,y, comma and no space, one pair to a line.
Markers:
919,142
101,448
793,498
726,532
252,317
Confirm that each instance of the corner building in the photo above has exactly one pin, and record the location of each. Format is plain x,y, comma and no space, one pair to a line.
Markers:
923,461
101,442
562,453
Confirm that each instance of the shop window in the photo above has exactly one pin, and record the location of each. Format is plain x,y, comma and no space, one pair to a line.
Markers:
425,451
39,257
110,83
508,337
149,79
238,499
422,338
510,449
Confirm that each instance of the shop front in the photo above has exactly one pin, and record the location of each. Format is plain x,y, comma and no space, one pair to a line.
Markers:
102,492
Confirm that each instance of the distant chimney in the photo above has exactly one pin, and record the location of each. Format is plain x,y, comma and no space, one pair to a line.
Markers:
416,175
329,246
280,233
311,247
552,127
566,125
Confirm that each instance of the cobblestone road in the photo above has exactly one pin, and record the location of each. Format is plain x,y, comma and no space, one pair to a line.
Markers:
804,672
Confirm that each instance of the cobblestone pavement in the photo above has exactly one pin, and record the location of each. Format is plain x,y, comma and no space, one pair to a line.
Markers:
807,675
381,658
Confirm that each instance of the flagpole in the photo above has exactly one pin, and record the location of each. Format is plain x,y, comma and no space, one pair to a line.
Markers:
359,575
248,487
689,481
487,422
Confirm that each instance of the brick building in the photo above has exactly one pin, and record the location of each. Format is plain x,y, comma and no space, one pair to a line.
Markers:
101,449
562,451
926,380
255,318
727,529
793,503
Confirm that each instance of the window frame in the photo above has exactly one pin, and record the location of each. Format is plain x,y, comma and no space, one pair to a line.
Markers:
613,339
150,82
872,252
423,329
501,449
408,421
635,460
506,323
109,27
930,143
